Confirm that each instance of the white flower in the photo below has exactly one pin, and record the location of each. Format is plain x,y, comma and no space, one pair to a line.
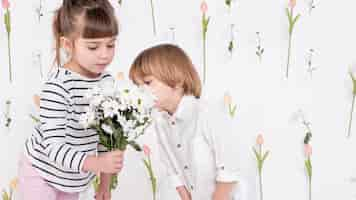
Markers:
96,100
110,108
87,119
107,129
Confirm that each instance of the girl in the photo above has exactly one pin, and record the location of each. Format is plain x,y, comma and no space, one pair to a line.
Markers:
60,156
196,138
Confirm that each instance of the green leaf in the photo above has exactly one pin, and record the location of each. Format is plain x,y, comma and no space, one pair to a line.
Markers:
5,196
228,3
96,183
231,46
7,21
36,120
308,167
135,145
233,110
113,181
258,157
295,19
289,16
265,156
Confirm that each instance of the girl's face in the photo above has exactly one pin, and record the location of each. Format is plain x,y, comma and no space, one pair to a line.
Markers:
168,98
92,56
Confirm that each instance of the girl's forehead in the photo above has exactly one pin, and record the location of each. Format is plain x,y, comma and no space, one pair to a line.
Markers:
97,40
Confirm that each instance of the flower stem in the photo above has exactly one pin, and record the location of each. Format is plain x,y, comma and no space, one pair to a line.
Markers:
289,50
9,51
204,59
310,188
260,180
153,18
351,112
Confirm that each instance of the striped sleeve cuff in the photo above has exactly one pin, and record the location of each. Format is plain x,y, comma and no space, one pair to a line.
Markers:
102,149
67,157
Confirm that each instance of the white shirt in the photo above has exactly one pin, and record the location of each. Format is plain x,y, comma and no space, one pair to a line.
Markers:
198,146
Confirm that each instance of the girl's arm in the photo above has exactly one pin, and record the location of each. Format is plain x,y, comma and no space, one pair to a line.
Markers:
105,181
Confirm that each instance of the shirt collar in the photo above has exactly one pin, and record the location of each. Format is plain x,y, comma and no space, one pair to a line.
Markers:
186,108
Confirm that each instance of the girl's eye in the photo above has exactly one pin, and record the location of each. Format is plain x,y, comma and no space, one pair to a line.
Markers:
92,48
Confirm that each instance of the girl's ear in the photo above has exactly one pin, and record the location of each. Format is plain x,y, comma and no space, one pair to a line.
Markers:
67,45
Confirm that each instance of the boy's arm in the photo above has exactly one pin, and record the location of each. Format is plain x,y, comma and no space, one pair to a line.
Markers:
223,190
183,193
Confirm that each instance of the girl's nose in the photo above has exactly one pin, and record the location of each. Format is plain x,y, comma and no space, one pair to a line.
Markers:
104,53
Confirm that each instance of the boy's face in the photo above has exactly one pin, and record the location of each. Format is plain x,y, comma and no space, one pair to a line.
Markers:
167,97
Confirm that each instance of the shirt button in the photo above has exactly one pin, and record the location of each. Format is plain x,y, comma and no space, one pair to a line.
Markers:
186,167
179,145
173,123
191,187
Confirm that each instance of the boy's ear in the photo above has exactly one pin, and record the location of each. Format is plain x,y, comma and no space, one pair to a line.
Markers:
66,44
179,86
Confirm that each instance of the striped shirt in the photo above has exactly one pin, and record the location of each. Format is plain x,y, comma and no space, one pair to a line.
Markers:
59,143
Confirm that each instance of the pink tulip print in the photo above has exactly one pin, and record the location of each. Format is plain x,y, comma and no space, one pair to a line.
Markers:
148,164
205,23
260,158
291,20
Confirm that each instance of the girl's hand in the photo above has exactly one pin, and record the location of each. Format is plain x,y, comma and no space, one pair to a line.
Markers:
111,162
103,193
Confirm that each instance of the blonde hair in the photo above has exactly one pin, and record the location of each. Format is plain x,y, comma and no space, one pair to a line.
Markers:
171,65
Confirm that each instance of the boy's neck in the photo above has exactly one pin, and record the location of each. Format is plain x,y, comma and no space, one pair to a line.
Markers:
175,104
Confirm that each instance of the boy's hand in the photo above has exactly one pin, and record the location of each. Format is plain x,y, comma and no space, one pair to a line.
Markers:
183,193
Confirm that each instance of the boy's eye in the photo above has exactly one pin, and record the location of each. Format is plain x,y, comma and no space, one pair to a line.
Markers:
147,82
111,46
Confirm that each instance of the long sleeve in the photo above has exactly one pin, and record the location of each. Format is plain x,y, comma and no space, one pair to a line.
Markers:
219,132
54,108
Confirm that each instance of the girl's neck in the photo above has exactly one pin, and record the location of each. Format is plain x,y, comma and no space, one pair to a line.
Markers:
76,67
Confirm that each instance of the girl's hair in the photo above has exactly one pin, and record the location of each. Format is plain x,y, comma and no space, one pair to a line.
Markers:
170,64
83,18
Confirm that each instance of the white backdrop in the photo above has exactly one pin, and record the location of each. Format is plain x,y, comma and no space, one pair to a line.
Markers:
267,102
